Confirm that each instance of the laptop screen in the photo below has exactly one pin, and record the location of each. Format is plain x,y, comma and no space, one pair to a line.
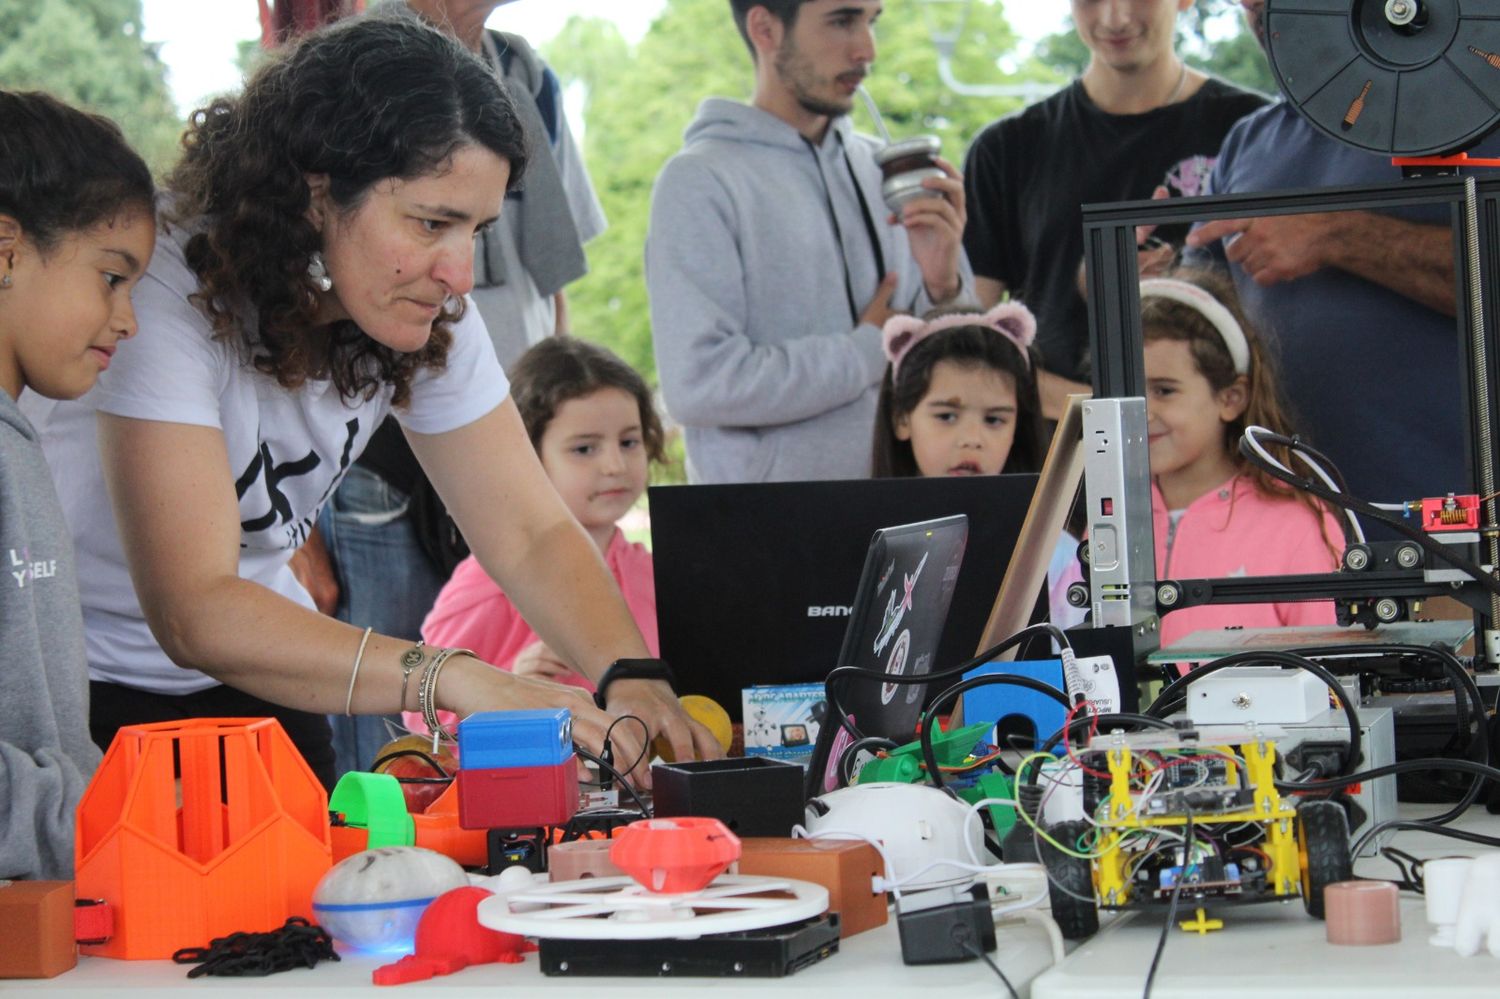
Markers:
899,610
755,582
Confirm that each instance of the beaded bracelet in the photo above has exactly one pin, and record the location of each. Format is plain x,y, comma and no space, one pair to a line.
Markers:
427,691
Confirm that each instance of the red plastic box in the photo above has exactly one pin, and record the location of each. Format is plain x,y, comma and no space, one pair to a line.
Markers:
518,797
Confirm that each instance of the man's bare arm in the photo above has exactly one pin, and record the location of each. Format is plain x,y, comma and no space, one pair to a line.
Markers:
1409,258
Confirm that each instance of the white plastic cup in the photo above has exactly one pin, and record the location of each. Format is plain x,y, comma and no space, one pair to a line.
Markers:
1443,884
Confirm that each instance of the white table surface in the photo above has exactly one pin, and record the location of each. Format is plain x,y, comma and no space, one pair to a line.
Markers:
1264,950
867,964
1276,949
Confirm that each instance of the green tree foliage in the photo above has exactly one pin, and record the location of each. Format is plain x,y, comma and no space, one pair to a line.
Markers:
639,101
1212,36
90,53
1241,61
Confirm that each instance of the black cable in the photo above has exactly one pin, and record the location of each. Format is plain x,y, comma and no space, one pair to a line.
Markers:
1478,742
838,673
847,758
835,676
1410,868
963,941
1398,825
1161,943
924,727
1164,700
645,744
1402,767
1348,502
603,764
1299,448
397,754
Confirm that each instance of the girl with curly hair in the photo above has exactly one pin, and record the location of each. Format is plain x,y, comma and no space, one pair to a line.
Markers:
313,279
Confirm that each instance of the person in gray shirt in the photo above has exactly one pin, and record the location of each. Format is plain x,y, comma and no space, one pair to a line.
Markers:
771,261
77,225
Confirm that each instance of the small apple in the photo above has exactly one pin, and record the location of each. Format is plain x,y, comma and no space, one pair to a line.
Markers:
423,776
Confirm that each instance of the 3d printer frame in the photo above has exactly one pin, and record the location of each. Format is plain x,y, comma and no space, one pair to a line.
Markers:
1114,311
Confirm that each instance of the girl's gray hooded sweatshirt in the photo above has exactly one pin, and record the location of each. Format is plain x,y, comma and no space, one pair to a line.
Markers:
754,231
46,756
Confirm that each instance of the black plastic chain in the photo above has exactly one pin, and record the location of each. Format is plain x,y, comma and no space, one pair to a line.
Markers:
297,944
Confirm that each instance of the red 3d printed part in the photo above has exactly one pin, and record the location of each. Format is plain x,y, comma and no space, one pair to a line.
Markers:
674,855
198,829
450,938
518,797
1450,513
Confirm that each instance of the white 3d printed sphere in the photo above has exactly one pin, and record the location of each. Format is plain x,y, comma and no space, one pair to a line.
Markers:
372,900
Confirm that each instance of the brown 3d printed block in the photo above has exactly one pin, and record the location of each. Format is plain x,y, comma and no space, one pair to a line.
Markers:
582,858
36,923
844,867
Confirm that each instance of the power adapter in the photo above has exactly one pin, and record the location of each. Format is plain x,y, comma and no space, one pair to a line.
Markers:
945,925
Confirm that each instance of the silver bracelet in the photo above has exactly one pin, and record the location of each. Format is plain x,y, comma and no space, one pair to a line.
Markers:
354,675
427,693
410,660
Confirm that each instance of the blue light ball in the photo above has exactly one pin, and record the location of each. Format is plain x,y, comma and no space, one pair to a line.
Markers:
373,900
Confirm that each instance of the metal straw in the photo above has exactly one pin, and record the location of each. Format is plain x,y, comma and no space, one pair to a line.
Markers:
875,114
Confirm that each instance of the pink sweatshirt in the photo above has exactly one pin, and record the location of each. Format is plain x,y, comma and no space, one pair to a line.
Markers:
472,612
1236,530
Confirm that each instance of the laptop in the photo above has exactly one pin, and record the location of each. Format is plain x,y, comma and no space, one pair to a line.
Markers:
755,583
900,607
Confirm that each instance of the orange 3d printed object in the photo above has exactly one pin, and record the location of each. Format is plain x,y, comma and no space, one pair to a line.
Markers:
197,829
674,855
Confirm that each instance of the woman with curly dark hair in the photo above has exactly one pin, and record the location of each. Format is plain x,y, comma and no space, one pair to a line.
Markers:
312,279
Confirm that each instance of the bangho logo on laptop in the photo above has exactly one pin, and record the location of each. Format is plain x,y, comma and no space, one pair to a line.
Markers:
830,610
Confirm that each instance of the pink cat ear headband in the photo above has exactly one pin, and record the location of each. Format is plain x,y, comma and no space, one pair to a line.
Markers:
1011,320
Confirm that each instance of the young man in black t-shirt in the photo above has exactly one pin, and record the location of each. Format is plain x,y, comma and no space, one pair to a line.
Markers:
1139,122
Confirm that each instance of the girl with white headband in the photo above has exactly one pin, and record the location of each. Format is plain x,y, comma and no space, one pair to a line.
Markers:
1215,515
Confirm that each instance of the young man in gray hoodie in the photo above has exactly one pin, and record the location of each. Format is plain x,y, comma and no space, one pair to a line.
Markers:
772,261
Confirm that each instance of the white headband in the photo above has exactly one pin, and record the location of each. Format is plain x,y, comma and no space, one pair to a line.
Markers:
1209,308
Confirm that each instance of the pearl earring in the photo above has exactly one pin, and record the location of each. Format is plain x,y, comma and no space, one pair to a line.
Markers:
318,272
5,281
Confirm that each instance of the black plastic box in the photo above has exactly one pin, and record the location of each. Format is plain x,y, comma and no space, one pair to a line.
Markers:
752,795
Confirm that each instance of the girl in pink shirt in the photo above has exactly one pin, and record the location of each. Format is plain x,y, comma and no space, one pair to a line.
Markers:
1214,515
590,418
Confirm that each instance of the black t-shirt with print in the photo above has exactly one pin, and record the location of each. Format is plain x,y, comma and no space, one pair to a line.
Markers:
1029,174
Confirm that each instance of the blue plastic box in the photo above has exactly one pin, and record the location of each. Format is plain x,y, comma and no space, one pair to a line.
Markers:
488,740
999,702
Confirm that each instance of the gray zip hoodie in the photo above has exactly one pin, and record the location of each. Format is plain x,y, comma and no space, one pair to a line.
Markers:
46,756
759,261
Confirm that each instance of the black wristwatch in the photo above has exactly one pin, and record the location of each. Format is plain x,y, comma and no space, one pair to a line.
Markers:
634,669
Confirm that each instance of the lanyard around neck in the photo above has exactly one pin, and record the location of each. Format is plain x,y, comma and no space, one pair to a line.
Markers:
865,214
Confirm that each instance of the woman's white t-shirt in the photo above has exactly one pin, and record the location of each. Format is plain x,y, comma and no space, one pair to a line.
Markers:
288,449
